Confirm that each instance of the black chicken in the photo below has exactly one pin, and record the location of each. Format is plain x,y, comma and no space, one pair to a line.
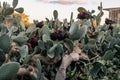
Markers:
84,15
40,24
53,36
62,36
108,21
59,35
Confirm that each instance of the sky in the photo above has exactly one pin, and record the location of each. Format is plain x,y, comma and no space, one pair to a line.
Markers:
41,9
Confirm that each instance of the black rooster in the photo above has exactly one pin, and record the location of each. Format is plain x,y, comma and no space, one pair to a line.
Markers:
109,22
40,24
84,15
59,35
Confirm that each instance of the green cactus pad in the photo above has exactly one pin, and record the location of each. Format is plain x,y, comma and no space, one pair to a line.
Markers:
80,9
9,70
55,14
5,43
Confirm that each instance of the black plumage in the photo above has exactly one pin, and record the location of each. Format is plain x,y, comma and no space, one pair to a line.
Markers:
108,21
84,15
53,36
40,24
59,36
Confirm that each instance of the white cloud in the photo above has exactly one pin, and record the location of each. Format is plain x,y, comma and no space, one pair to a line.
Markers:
65,2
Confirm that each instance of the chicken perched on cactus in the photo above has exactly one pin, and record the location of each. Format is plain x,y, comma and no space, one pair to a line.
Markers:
58,34
109,22
40,24
84,15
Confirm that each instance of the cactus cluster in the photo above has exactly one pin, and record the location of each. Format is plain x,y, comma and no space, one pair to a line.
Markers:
6,9
35,52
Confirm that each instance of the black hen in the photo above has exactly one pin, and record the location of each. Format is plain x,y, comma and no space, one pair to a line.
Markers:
84,15
108,21
53,36
40,24
62,36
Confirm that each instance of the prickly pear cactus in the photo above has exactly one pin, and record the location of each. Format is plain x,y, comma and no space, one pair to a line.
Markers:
5,43
9,70
8,11
80,9
15,3
71,19
40,47
55,14
2,57
100,14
